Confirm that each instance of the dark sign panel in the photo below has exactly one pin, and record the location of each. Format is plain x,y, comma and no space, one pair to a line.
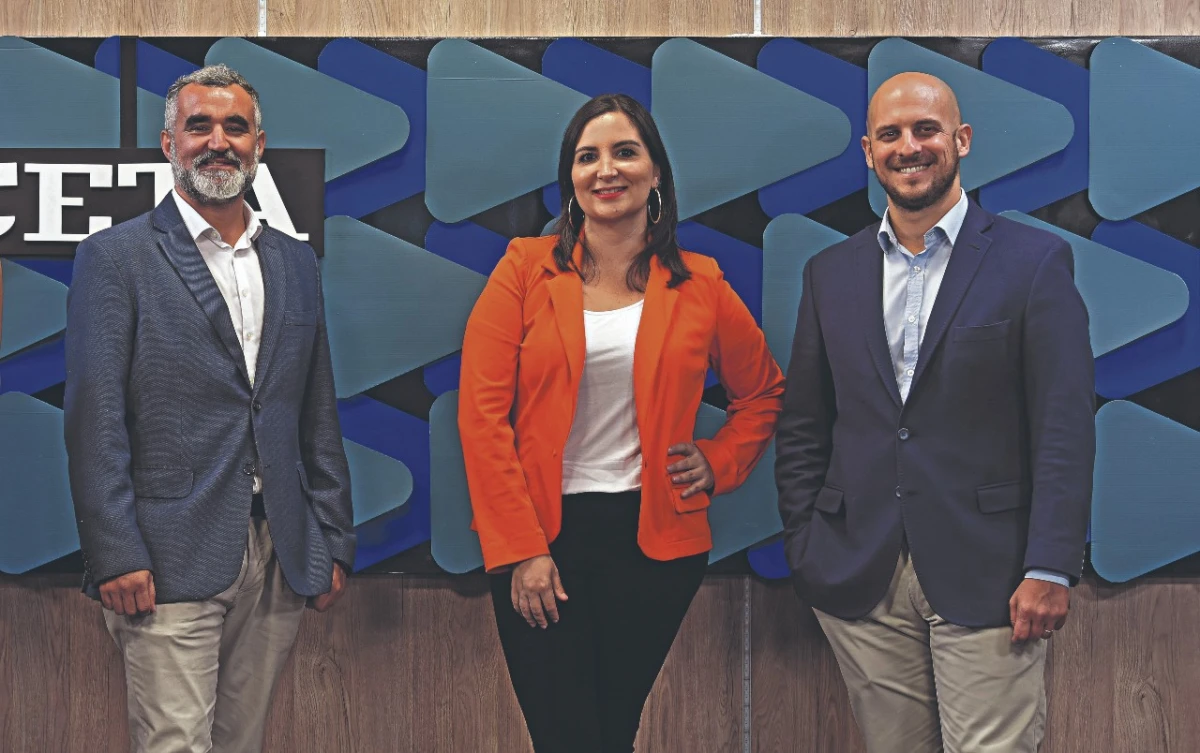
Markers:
50,199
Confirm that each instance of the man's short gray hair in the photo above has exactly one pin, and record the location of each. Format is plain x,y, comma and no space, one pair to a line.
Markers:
219,75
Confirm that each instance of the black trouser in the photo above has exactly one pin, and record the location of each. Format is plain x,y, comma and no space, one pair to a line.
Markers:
582,681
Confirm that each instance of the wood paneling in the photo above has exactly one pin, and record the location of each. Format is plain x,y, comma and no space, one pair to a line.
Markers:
489,18
798,701
981,18
498,18
412,664
403,664
103,18
1122,674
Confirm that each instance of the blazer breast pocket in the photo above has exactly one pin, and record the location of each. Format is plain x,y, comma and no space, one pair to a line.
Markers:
300,318
981,332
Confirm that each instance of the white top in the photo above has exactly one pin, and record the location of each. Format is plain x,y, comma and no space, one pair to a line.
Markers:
238,275
604,450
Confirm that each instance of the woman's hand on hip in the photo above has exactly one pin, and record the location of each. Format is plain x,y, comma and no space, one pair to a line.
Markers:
535,586
692,469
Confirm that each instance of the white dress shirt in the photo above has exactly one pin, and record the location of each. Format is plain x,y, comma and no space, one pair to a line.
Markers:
238,275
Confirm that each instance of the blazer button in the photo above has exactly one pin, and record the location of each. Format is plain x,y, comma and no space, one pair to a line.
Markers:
257,405
903,434
899,492
248,469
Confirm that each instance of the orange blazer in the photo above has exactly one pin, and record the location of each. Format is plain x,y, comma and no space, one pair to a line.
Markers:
522,359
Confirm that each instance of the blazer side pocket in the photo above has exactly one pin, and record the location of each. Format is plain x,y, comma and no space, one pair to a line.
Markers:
1000,497
694,503
162,483
830,500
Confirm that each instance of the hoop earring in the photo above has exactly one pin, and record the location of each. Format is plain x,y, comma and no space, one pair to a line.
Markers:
654,220
570,219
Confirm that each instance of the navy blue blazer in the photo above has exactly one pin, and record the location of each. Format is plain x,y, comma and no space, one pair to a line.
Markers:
986,469
162,423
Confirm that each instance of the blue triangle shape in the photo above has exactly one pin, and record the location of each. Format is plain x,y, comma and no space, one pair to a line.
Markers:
38,522
390,306
494,129
43,95
35,307
305,109
1126,298
1146,503
789,241
1131,86
731,129
1013,126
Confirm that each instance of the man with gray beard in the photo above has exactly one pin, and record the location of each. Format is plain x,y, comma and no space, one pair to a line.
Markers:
209,479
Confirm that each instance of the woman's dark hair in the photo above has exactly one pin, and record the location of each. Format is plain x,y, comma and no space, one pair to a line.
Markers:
660,241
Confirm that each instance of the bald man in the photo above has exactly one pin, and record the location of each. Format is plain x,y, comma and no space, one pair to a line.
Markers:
934,456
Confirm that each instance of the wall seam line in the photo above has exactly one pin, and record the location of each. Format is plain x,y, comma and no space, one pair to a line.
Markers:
262,17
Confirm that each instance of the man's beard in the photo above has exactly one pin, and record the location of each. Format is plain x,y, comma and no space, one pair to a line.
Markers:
936,192
214,186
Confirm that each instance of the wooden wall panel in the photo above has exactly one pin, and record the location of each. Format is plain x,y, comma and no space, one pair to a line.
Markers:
980,18
403,664
103,18
499,18
1122,675
483,18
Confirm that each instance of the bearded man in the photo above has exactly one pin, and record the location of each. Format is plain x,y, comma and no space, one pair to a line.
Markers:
209,479
935,450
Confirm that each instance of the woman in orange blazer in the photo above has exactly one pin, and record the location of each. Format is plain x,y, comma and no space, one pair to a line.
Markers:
583,366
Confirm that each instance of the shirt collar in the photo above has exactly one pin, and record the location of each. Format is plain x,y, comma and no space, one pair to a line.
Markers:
950,224
198,226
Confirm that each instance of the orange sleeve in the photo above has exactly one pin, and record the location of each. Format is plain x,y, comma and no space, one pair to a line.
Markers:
754,383
508,526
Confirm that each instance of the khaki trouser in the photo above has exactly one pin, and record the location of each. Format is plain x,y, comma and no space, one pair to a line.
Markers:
919,684
200,674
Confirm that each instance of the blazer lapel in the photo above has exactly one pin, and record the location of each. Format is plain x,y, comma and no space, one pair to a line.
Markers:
180,249
965,258
870,259
657,310
566,297
274,274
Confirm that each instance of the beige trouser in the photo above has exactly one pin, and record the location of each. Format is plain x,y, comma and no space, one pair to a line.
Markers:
200,674
919,684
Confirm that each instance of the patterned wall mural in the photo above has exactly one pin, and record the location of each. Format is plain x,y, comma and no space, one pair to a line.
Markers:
437,152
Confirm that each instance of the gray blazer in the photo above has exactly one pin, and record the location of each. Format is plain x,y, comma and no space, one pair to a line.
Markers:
162,423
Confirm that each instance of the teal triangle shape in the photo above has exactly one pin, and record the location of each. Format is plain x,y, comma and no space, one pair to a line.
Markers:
35,307
1144,109
1013,126
1146,499
390,306
51,101
150,110
1126,298
305,109
748,514
455,547
494,129
789,241
730,129
379,484
37,521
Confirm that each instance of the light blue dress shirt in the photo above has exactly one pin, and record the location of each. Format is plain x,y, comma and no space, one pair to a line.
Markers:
910,287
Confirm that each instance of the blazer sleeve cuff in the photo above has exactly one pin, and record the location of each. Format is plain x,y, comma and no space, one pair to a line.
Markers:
498,555
723,464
